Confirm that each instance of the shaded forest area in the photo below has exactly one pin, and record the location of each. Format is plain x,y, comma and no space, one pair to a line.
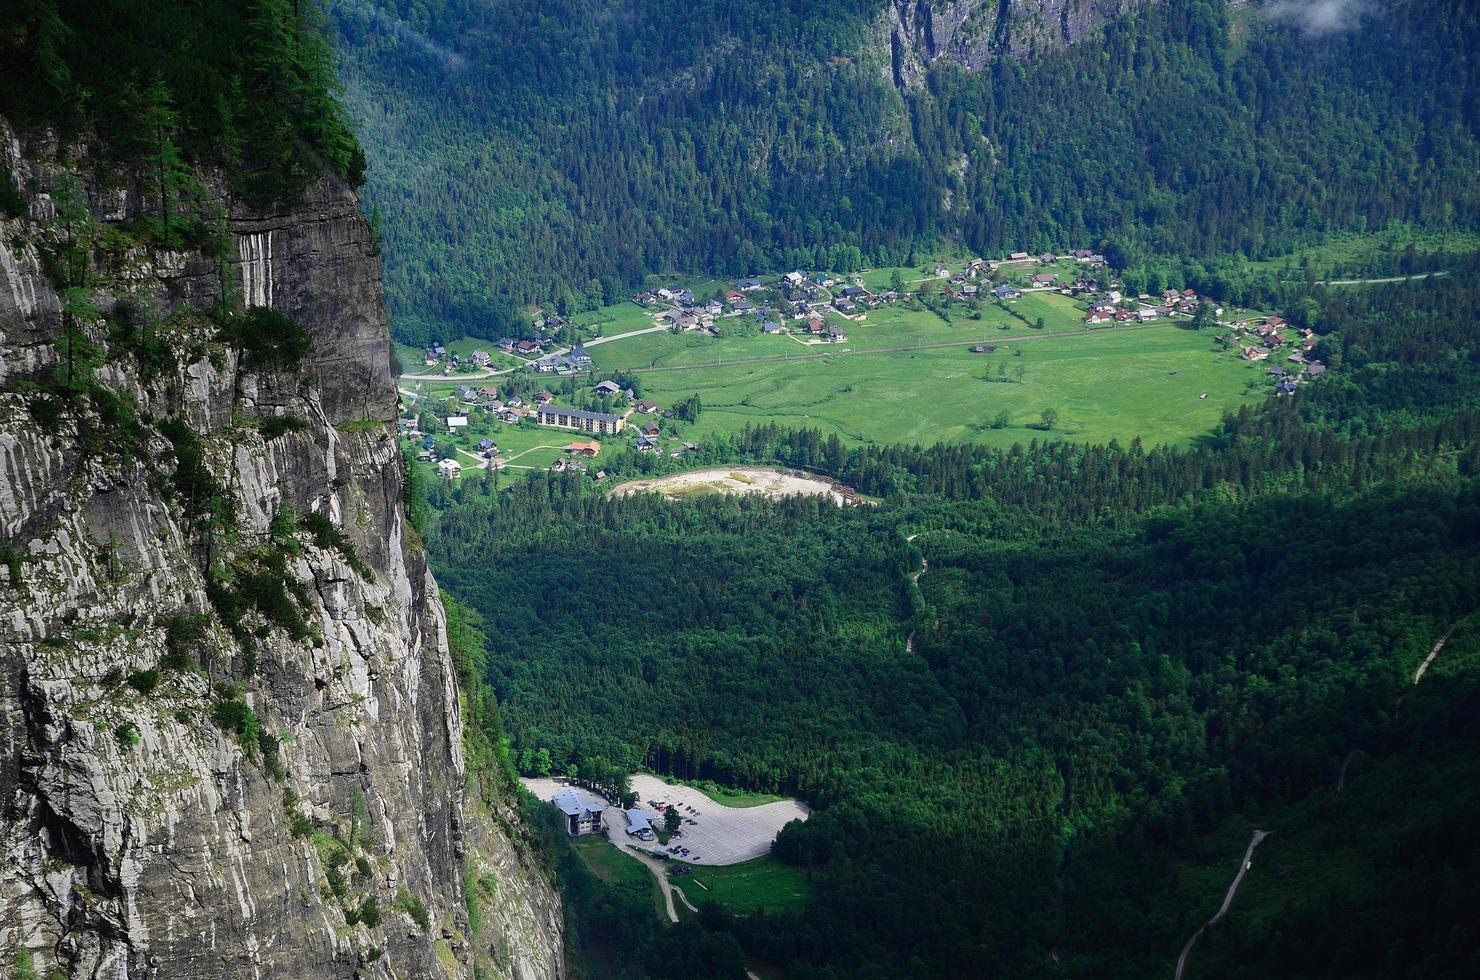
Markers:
1119,654
554,154
248,87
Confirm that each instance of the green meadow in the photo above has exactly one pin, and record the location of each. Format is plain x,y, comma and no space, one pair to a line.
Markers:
760,884
907,374
1146,382
1102,382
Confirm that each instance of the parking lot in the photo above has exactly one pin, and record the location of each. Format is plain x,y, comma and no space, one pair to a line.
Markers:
713,833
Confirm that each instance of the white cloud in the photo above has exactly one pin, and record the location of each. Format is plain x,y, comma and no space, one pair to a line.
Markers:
1318,18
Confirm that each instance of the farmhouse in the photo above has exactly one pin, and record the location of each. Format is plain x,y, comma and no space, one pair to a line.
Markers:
581,816
1005,292
646,407
579,357
1044,279
608,388
835,336
447,469
590,450
1098,316
580,419
527,347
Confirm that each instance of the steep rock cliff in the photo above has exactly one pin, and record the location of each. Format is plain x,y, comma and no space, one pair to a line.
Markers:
230,731
971,32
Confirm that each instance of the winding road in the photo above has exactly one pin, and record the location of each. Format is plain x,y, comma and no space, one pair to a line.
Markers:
493,372
1418,674
1243,866
1374,282
909,641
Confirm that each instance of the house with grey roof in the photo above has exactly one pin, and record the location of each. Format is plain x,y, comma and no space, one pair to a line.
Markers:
582,813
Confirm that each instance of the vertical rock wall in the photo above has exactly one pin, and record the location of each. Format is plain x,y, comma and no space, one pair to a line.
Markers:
147,829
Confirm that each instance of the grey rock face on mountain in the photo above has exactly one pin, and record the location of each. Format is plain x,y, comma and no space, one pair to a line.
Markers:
189,787
970,32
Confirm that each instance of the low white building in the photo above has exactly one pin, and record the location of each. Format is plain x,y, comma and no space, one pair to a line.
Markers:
456,422
449,469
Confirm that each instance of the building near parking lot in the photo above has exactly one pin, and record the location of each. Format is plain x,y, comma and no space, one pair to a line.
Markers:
581,816
640,823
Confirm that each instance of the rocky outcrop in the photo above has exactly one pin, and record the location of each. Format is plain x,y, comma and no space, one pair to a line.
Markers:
972,32
230,730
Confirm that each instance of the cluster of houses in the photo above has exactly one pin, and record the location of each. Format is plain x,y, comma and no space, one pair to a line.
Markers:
438,354
793,303
1115,308
571,361
1259,339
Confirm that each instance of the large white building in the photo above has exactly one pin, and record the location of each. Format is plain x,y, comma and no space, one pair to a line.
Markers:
582,815
581,420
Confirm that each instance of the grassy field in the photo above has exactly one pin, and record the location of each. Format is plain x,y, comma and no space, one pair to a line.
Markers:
609,320
603,860
764,883
1102,382
738,798
1147,382
1354,251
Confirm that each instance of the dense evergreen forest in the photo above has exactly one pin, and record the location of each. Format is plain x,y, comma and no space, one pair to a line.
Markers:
555,153
247,87
1116,655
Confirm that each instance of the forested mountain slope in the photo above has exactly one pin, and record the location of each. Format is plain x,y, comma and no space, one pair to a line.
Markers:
1121,661
555,153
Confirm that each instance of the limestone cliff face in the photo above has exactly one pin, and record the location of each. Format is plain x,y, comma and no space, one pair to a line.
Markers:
971,32
186,789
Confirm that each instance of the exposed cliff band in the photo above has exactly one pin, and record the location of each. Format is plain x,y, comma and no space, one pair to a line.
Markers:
230,724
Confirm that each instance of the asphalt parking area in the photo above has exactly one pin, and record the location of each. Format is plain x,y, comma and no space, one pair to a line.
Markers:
713,833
